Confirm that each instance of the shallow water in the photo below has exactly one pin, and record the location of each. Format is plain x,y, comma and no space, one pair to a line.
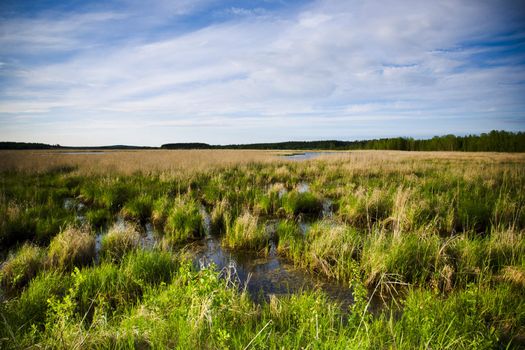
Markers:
306,155
264,276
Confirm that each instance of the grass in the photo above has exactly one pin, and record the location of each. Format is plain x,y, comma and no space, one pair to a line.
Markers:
307,203
21,266
71,247
439,235
184,221
120,239
246,233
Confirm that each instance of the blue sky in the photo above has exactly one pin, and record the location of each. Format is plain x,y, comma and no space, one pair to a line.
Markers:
152,72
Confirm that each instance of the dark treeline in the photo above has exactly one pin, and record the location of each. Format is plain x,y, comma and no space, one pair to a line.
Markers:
494,141
26,145
36,146
189,145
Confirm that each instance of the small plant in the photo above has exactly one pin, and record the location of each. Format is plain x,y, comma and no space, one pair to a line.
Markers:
71,247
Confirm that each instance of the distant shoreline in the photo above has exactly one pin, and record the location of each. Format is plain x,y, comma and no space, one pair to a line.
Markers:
494,141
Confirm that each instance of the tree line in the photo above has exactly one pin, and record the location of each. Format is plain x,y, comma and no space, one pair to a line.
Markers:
494,141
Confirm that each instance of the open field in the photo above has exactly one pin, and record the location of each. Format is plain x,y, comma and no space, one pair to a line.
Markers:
425,250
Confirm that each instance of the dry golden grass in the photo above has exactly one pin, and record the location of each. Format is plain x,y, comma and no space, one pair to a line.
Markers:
514,275
127,162
176,161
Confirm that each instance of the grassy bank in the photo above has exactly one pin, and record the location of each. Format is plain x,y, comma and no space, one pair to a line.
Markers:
438,236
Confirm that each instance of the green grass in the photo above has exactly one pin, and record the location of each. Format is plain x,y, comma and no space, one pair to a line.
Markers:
21,266
295,203
120,239
139,208
246,233
71,247
443,237
184,222
98,217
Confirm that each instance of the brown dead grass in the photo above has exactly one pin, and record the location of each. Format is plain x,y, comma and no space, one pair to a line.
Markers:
128,162
176,161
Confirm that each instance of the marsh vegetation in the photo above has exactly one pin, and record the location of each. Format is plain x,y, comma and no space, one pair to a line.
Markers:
100,251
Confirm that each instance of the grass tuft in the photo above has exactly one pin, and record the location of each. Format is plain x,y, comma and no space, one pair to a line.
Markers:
71,247
246,233
184,222
120,239
21,267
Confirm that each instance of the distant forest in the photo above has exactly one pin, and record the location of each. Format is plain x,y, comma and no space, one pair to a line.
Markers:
494,141
36,146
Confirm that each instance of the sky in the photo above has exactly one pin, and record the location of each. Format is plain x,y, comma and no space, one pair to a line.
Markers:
137,72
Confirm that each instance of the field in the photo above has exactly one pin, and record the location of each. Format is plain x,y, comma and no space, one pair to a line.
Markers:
105,250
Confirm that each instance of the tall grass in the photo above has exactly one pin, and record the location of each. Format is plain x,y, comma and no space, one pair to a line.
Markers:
184,221
21,266
71,247
120,239
246,233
